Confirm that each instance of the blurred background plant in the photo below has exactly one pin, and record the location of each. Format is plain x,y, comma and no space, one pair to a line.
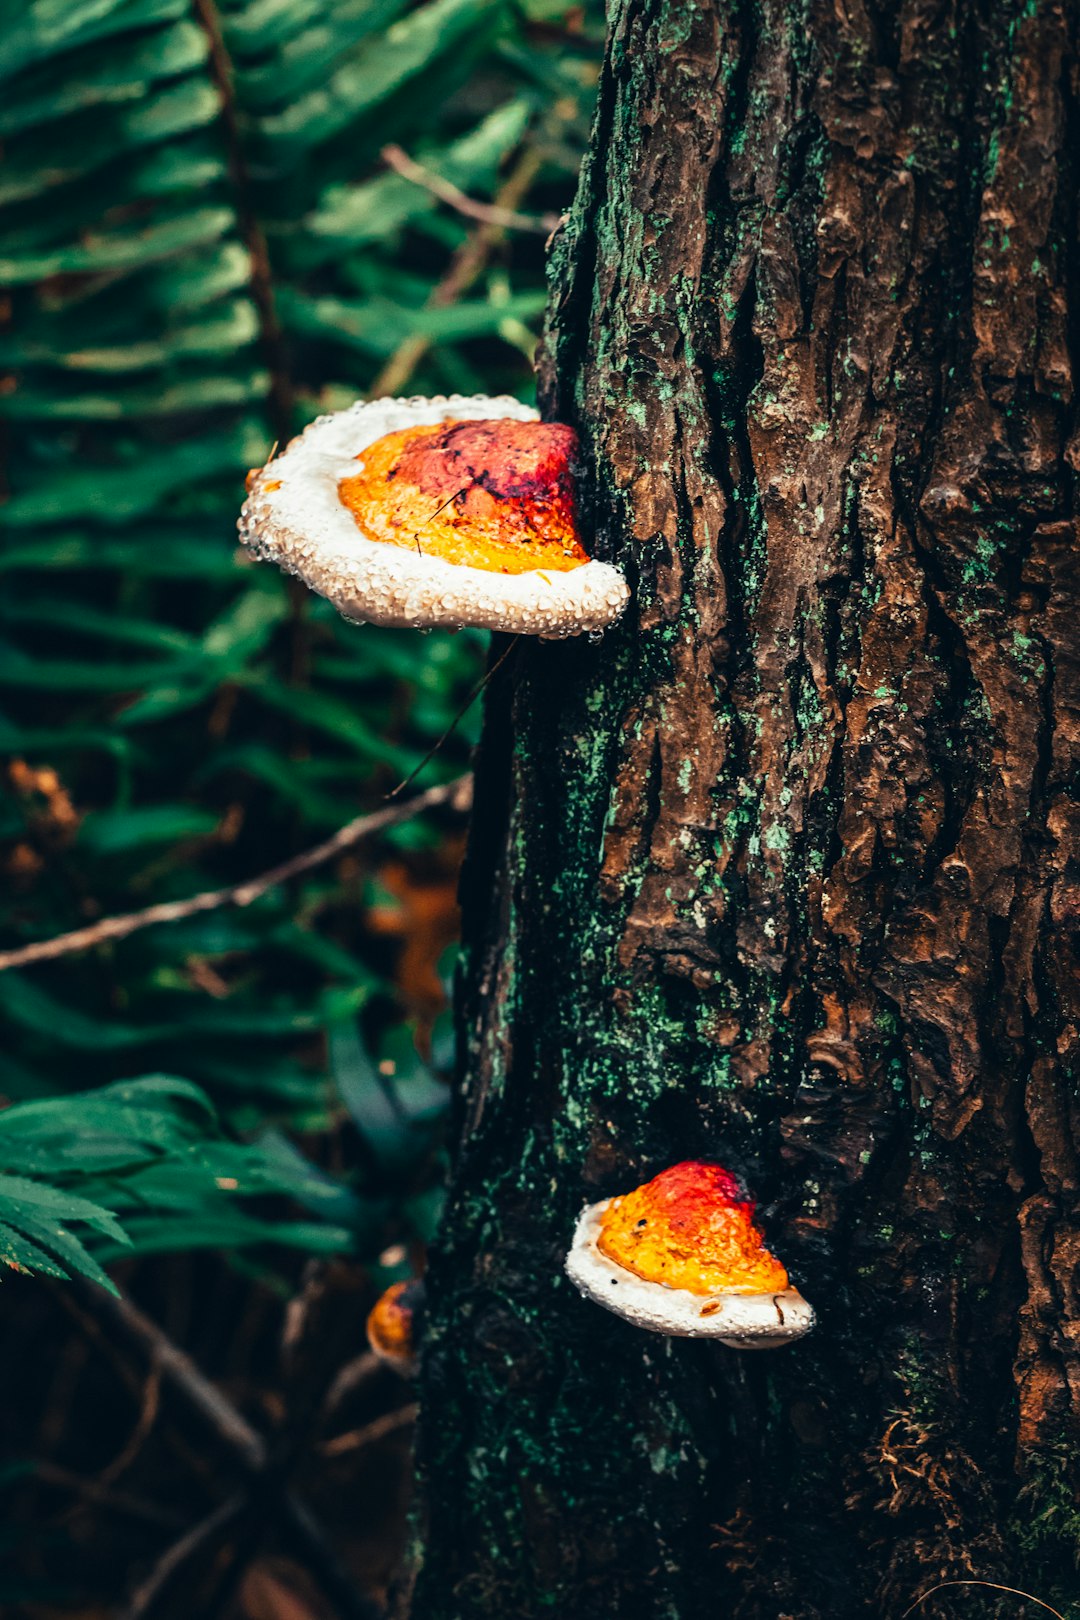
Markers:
218,219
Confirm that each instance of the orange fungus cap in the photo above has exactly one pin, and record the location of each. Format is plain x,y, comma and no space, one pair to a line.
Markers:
692,1228
390,1324
496,495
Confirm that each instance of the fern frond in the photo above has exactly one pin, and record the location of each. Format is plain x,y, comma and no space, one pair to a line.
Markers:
148,1170
200,249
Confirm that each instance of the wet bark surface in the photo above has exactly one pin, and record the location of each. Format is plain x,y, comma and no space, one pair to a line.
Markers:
784,871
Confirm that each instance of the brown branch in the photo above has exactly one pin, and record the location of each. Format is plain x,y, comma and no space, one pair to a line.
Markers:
377,1429
994,1585
456,794
177,1369
248,1449
352,1377
176,1558
144,1424
506,219
464,268
68,1299
91,1492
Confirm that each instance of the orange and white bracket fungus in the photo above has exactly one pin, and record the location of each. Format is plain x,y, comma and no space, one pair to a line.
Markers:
682,1256
420,512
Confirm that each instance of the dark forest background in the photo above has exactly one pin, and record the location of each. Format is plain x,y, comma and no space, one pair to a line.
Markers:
212,229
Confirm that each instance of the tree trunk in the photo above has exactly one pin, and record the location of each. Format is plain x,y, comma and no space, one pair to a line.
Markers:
784,870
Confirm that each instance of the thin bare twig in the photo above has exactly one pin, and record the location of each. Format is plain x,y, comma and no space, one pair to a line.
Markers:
396,793
178,1370
507,219
377,1429
248,1449
68,1298
93,1492
464,269
352,1377
457,794
176,1558
994,1585
144,1424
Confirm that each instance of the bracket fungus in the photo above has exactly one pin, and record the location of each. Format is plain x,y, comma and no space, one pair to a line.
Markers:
393,1325
681,1255
445,511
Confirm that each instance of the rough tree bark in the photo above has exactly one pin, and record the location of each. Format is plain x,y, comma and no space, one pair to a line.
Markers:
784,871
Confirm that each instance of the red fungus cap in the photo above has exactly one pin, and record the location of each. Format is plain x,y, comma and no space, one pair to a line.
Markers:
496,495
681,1255
691,1227
422,512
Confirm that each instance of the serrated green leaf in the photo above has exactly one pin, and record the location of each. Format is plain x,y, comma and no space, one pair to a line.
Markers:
107,74
69,1249
113,832
18,1195
48,27
120,1126
379,327
22,1254
87,141
305,56
349,216
119,493
119,249
371,1106
374,74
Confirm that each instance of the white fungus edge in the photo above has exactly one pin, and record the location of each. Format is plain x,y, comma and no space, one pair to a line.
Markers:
295,518
743,1321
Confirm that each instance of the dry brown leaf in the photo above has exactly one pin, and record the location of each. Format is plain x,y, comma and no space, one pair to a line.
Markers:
275,1589
425,920
52,809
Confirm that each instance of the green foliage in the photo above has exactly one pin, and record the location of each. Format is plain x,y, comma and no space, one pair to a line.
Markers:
201,250
148,1168
1045,1523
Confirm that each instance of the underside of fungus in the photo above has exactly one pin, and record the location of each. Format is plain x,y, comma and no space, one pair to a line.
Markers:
682,1256
445,511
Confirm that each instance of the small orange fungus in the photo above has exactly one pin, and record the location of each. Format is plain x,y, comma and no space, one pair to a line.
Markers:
391,1324
496,495
692,1228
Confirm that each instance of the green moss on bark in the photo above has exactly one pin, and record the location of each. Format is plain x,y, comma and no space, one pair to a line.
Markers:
779,871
